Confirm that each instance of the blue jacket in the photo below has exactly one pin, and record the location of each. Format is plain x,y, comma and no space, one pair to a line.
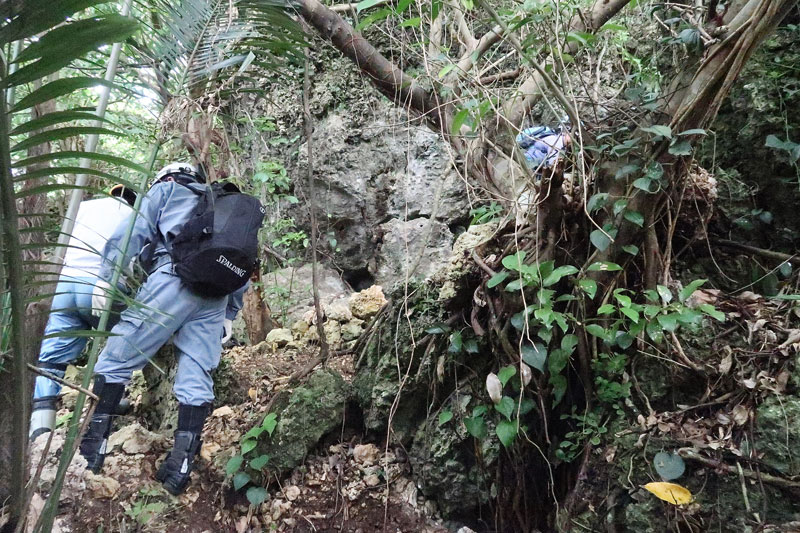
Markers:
166,207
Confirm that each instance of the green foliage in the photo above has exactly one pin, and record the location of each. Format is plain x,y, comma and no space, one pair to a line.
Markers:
149,506
485,213
246,467
590,428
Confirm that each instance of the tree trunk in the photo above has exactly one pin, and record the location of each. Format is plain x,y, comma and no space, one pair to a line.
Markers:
33,226
256,313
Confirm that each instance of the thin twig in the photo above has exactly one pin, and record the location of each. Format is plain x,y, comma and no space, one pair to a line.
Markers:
324,349
769,254
692,455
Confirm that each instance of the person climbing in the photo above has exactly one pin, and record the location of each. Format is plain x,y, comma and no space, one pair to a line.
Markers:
199,245
543,145
95,222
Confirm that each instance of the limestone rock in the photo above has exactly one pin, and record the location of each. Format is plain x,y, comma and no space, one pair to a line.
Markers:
412,249
371,170
74,482
305,415
778,434
133,439
459,262
102,486
352,329
292,492
338,311
299,328
442,459
291,289
367,303
279,336
366,454
333,334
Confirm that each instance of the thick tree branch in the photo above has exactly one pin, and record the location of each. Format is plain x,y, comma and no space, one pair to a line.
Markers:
467,38
481,46
531,89
387,77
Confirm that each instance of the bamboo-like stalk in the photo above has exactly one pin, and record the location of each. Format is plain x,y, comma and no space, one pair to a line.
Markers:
45,523
16,392
91,145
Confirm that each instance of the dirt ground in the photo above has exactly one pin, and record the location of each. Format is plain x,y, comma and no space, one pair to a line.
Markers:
345,486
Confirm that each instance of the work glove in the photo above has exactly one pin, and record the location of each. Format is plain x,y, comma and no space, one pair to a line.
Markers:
227,330
100,294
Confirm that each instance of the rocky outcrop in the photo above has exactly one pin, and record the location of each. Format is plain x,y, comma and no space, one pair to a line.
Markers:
305,415
447,468
778,436
289,291
377,183
412,249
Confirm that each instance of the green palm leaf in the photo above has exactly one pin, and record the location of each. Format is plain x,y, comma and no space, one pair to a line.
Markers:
61,46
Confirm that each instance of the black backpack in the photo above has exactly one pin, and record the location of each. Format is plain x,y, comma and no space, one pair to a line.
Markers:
216,250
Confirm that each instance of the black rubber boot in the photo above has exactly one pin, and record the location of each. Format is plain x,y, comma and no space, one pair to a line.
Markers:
93,444
174,473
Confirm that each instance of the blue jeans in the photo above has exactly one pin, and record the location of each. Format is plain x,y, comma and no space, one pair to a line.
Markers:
165,307
71,311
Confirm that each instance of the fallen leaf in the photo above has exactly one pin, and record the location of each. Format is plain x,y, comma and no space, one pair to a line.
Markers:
749,296
669,492
223,411
253,393
726,364
740,415
494,387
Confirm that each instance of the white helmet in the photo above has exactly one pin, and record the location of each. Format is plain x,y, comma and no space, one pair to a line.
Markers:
186,169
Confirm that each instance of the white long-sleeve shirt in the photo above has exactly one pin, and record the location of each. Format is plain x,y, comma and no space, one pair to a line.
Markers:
94,224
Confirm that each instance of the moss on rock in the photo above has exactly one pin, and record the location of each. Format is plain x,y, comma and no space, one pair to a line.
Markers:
305,415
778,435
451,467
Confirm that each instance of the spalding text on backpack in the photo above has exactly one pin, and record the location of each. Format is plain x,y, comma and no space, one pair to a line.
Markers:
216,250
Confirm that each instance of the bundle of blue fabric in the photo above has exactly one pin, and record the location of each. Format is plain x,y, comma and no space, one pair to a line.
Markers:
542,145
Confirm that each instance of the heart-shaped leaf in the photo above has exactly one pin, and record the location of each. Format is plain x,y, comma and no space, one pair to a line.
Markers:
240,480
505,407
476,426
248,445
506,431
256,495
534,355
445,417
234,464
600,240
669,465
506,373
259,462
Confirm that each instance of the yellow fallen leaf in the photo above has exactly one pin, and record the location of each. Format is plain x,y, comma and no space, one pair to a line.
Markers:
253,394
670,492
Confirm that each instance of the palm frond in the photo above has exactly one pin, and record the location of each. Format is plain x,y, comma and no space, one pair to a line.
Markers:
62,38
193,40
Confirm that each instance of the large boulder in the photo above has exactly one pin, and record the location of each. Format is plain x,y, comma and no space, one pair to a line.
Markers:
446,467
305,415
289,291
371,172
412,249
